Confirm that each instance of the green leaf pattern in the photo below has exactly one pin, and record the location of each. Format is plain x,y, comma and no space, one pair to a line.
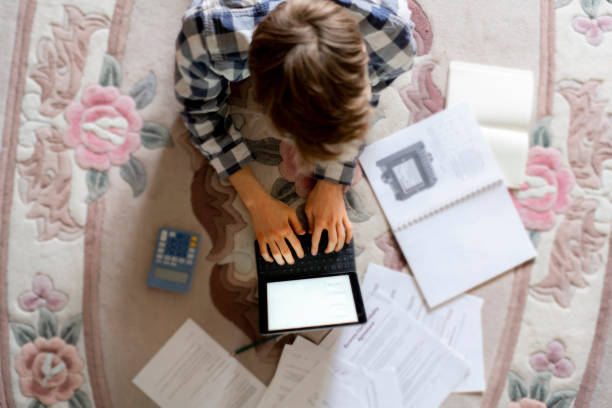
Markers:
516,387
23,333
47,323
143,91
135,174
590,7
539,387
154,135
72,329
79,400
110,75
561,399
97,184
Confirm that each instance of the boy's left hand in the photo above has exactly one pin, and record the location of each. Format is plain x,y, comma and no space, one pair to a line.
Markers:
325,210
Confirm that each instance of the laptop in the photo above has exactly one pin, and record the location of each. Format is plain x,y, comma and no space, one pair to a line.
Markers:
316,292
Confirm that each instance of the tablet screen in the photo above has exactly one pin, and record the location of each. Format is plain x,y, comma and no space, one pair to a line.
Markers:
311,302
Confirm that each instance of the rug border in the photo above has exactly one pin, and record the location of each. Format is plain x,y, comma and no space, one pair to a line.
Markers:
505,350
591,372
21,47
117,40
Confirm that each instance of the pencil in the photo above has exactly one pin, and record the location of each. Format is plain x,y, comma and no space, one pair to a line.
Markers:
255,344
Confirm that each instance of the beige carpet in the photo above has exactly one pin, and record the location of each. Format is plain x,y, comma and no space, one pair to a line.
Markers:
76,244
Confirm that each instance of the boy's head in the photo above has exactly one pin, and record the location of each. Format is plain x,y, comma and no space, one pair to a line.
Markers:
309,66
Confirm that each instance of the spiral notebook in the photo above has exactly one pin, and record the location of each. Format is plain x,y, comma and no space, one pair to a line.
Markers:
444,197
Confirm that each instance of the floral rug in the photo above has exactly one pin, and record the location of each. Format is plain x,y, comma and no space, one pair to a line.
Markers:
94,160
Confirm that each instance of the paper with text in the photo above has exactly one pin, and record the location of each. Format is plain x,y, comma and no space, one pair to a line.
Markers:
427,369
192,371
457,323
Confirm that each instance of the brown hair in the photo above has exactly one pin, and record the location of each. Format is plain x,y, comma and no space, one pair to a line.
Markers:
309,68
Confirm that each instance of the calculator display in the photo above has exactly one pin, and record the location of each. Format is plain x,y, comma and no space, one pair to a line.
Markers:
170,275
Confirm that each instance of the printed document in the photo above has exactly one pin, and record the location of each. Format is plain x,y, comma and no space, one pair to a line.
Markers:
427,369
192,371
457,323
307,376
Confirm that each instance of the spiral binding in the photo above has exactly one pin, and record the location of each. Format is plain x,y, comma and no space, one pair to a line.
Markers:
445,206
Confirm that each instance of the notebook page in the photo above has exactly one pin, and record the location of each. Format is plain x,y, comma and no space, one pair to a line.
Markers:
429,165
502,101
466,245
499,97
511,149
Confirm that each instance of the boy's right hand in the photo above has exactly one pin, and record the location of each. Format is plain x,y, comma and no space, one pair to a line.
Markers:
274,222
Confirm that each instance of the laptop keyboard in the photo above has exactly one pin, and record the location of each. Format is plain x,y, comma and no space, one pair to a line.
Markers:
343,261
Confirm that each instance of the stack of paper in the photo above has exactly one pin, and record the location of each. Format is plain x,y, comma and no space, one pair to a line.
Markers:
404,356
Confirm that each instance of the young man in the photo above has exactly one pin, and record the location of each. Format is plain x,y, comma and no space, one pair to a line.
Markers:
314,65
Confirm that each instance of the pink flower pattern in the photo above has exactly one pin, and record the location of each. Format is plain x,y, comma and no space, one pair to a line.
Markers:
592,28
49,370
43,293
104,128
546,191
553,360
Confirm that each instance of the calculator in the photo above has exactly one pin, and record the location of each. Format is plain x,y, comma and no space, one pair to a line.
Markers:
174,260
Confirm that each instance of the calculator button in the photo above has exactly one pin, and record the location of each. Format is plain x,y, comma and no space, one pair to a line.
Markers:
194,238
190,256
173,264
191,250
182,261
158,257
164,234
193,244
172,234
189,262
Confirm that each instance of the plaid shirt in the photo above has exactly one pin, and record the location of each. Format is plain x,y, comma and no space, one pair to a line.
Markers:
212,50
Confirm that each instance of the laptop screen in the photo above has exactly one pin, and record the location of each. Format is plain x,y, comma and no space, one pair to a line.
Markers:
311,302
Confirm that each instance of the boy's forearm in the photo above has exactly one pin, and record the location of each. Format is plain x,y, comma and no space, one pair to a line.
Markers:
248,188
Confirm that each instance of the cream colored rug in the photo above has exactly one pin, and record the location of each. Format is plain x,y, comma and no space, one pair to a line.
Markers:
77,237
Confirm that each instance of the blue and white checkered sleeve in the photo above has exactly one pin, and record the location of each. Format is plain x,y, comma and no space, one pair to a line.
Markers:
388,36
203,94
342,170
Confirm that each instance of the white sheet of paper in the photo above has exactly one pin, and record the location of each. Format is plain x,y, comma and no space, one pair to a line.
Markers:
293,366
192,371
457,323
511,149
502,101
499,97
377,388
322,389
427,369
489,240
365,388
